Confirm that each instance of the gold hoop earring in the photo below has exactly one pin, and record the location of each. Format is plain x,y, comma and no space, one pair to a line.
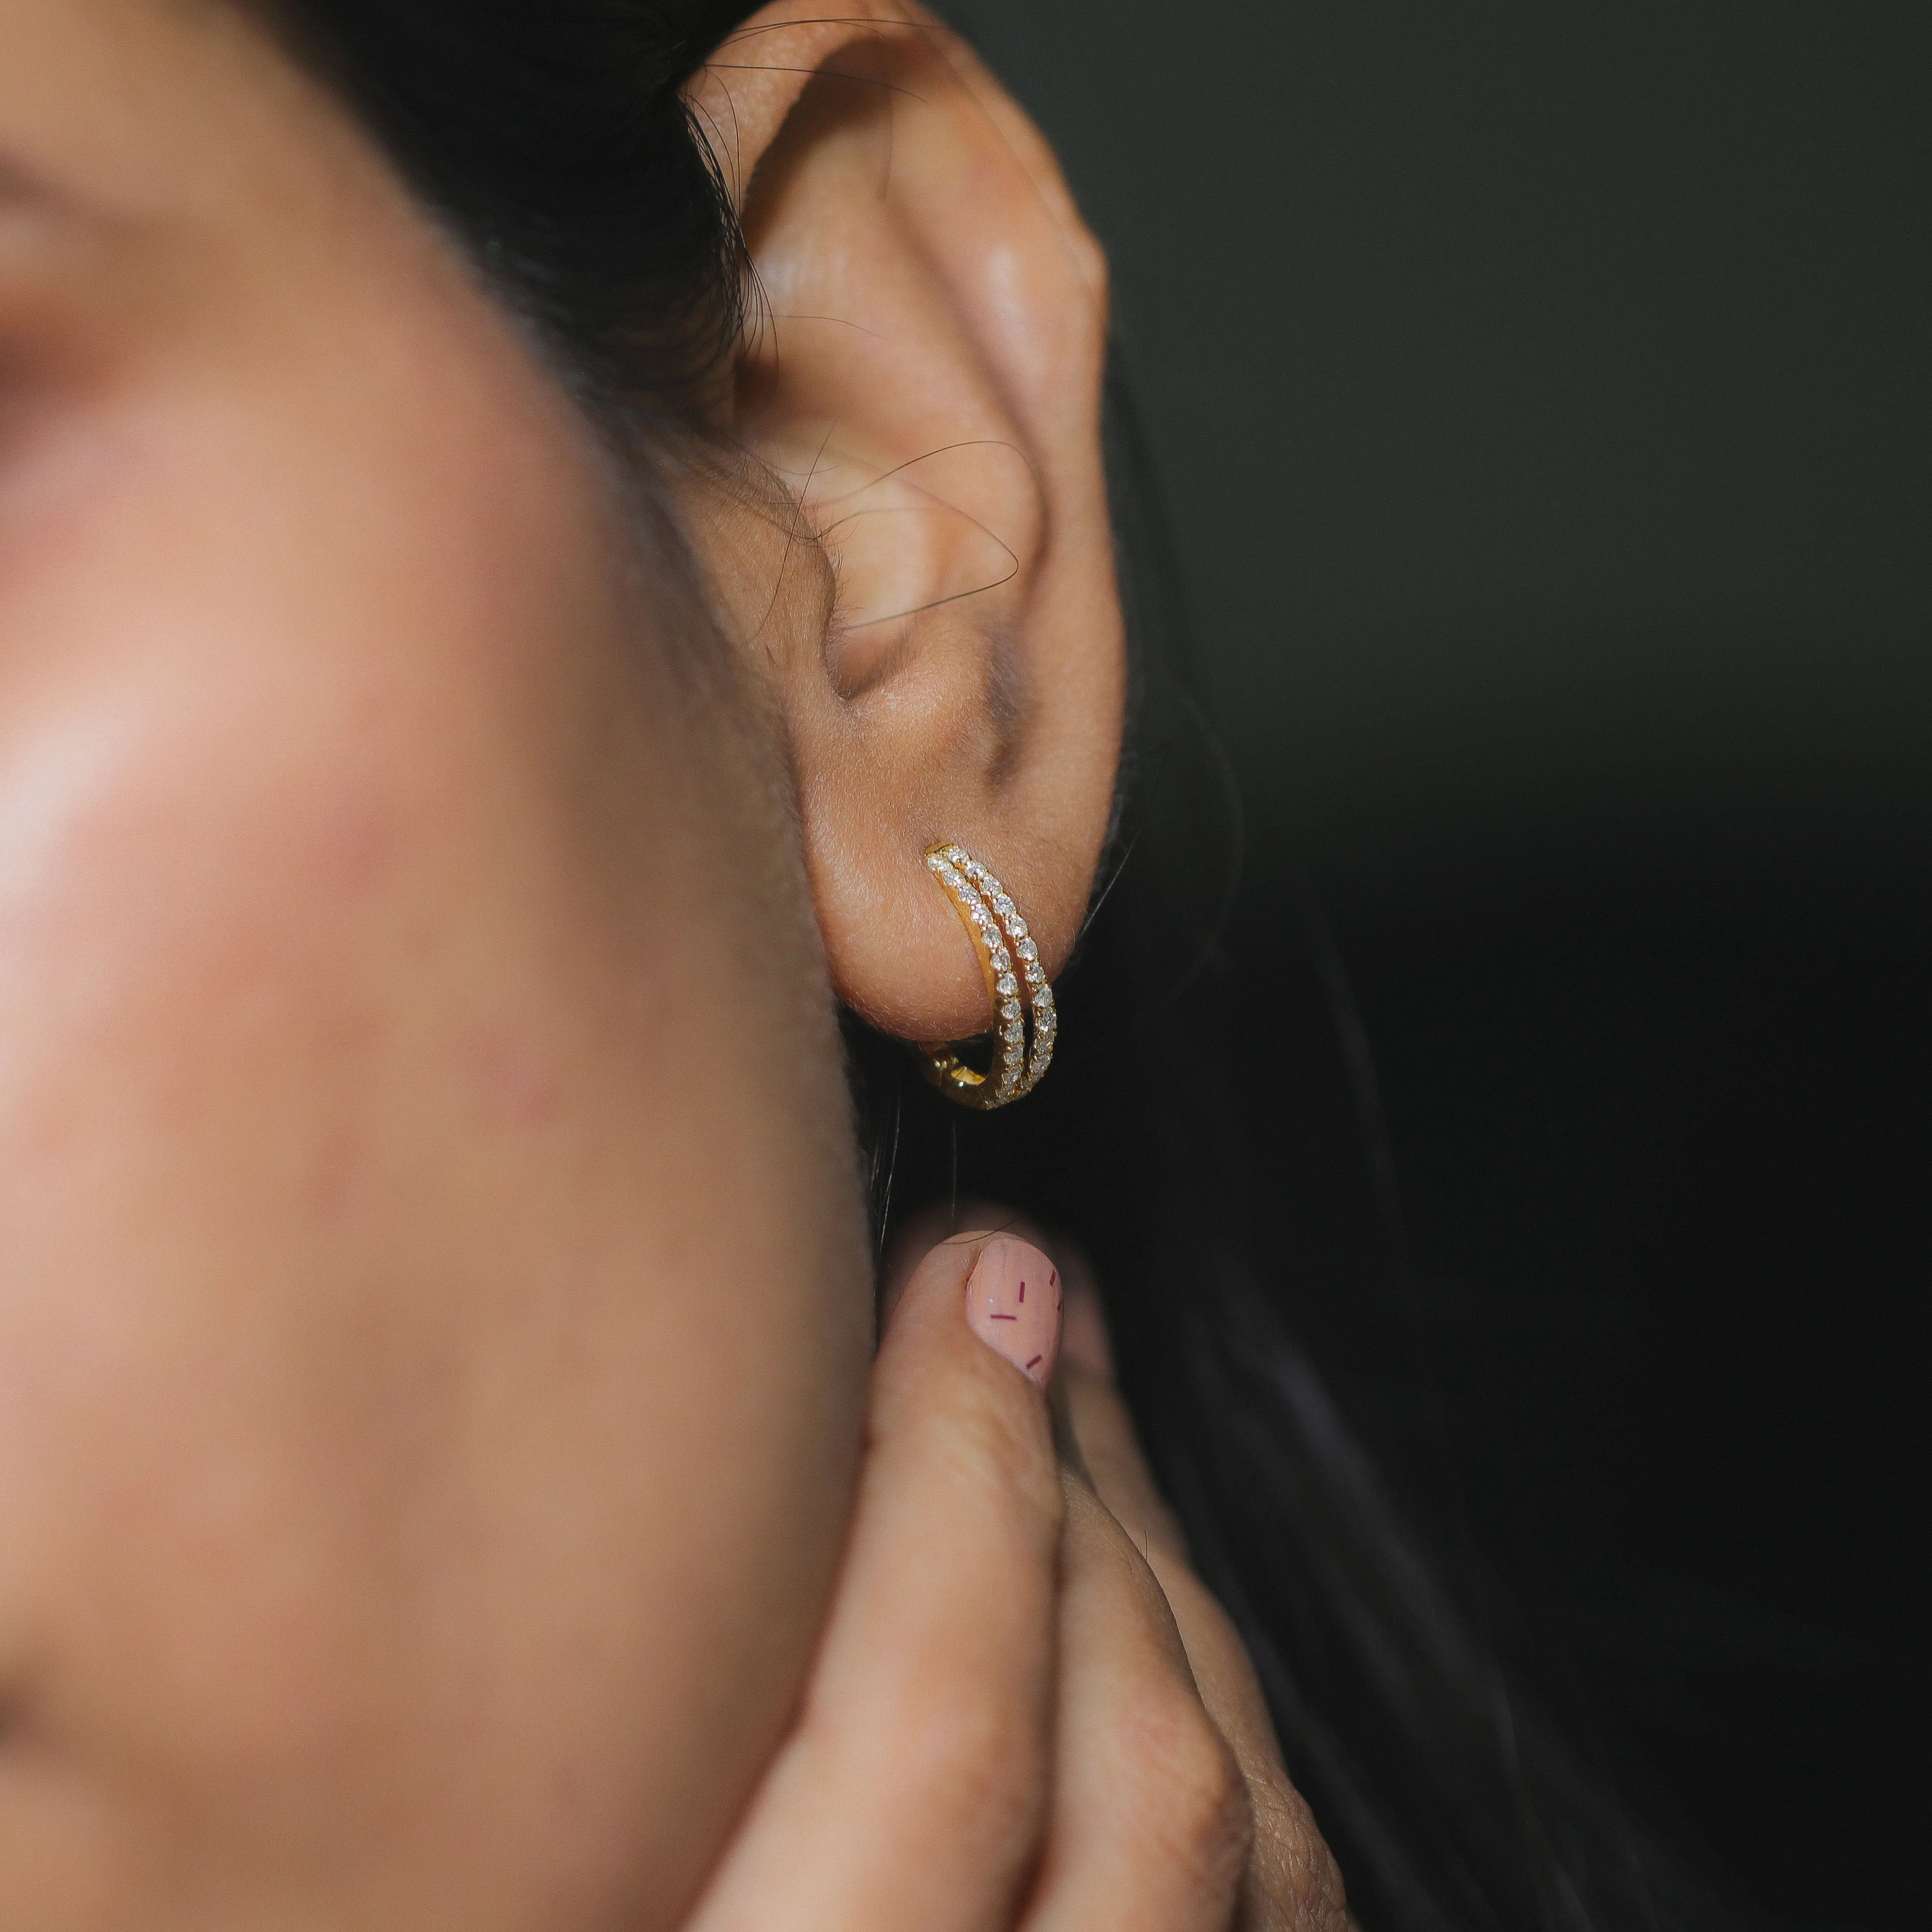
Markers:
1010,959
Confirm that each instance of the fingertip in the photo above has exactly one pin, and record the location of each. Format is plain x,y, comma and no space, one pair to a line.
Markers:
1014,1304
1012,1289
931,1261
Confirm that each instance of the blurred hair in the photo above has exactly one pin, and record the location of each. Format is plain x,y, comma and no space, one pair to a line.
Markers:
551,139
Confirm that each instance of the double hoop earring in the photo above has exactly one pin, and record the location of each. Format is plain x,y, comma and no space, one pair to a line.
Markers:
1016,983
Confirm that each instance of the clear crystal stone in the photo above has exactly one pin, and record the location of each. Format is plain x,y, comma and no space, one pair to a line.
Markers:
1008,985
1028,950
1035,977
1003,905
1011,1010
1012,1056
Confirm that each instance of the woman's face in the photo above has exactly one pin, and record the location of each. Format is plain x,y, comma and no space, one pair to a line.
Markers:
433,1307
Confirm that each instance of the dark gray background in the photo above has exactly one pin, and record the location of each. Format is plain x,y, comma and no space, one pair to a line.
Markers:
1541,397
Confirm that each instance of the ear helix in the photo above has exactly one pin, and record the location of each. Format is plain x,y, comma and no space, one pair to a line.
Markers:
1016,984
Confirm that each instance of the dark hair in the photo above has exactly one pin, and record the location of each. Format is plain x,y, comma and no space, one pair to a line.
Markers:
551,139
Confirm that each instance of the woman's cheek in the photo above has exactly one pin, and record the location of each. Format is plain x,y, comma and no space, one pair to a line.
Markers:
432,1302
402,1451
284,1082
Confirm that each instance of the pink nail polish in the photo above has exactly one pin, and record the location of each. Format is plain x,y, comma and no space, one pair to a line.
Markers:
1013,1300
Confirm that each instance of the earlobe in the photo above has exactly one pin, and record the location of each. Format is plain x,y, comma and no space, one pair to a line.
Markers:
935,610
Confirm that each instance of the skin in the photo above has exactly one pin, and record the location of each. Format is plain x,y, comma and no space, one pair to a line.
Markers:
367,1323
1026,1714
444,1477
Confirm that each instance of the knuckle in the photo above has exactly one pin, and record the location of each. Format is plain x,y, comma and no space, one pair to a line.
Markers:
1194,1810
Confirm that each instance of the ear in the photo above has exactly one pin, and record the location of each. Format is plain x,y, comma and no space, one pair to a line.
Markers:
935,609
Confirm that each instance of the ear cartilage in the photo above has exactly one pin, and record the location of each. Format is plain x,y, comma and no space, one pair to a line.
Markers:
1009,958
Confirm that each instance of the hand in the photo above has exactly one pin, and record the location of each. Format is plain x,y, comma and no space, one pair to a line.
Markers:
1027,1714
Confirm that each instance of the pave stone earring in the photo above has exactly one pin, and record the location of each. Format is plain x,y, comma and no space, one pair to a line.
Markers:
1009,959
